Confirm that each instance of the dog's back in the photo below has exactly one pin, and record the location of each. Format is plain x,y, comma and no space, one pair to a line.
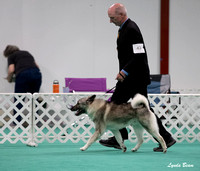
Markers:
122,113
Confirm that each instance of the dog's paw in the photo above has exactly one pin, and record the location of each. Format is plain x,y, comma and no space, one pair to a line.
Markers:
134,150
124,149
82,149
164,151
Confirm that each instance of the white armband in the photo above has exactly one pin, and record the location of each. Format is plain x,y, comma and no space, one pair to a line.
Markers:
138,48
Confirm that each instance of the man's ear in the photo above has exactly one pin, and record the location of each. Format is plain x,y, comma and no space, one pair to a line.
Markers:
91,98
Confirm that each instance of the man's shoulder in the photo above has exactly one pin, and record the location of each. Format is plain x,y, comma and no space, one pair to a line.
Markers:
132,27
132,24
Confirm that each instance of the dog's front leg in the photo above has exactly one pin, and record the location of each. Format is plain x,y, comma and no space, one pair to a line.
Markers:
92,139
118,137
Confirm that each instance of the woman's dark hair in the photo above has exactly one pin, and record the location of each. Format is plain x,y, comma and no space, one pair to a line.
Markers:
9,50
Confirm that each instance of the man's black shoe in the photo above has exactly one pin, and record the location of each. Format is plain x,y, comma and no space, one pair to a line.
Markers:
110,142
171,142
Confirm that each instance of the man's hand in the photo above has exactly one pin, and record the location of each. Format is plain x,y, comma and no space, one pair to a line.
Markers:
120,76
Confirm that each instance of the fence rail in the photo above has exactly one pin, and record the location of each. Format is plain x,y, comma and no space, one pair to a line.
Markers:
32,119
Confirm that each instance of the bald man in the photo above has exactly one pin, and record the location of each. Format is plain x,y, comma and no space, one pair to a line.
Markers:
134,74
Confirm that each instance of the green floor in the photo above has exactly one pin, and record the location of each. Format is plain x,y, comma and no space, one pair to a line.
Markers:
68,157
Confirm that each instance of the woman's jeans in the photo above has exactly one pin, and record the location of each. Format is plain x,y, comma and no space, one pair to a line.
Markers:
27,81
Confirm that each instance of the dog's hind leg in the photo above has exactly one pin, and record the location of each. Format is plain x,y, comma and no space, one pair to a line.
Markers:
155,134
152,127
138,129
118,137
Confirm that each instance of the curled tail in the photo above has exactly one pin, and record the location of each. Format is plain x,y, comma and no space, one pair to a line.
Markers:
139,101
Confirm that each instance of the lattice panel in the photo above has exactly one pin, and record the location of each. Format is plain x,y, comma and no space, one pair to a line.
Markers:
180,114
15,117
50,119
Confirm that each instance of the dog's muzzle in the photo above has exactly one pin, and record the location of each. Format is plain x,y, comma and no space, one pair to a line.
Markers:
78,110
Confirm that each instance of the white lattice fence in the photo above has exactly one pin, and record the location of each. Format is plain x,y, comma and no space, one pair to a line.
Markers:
180,114
51,120
15,117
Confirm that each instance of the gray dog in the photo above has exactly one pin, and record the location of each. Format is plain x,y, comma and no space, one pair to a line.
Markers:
107,115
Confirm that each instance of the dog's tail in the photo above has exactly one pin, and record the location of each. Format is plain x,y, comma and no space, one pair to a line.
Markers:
139,101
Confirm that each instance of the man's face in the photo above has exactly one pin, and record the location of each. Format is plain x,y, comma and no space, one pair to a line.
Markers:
115,18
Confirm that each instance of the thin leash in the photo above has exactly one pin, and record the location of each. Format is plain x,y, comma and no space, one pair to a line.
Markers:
114,86
110,90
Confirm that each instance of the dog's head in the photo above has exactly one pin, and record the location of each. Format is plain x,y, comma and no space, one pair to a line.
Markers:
82,105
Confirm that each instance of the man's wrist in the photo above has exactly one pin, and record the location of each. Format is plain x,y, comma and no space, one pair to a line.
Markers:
122,75
126,73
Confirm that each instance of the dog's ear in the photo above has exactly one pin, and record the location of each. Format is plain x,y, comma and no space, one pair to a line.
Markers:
91,98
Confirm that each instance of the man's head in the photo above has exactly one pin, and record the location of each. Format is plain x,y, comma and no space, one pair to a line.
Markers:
117,14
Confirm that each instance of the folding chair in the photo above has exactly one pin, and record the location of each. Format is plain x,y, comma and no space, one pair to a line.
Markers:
160,84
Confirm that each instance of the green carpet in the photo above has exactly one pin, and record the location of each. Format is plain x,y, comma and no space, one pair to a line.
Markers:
68,157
